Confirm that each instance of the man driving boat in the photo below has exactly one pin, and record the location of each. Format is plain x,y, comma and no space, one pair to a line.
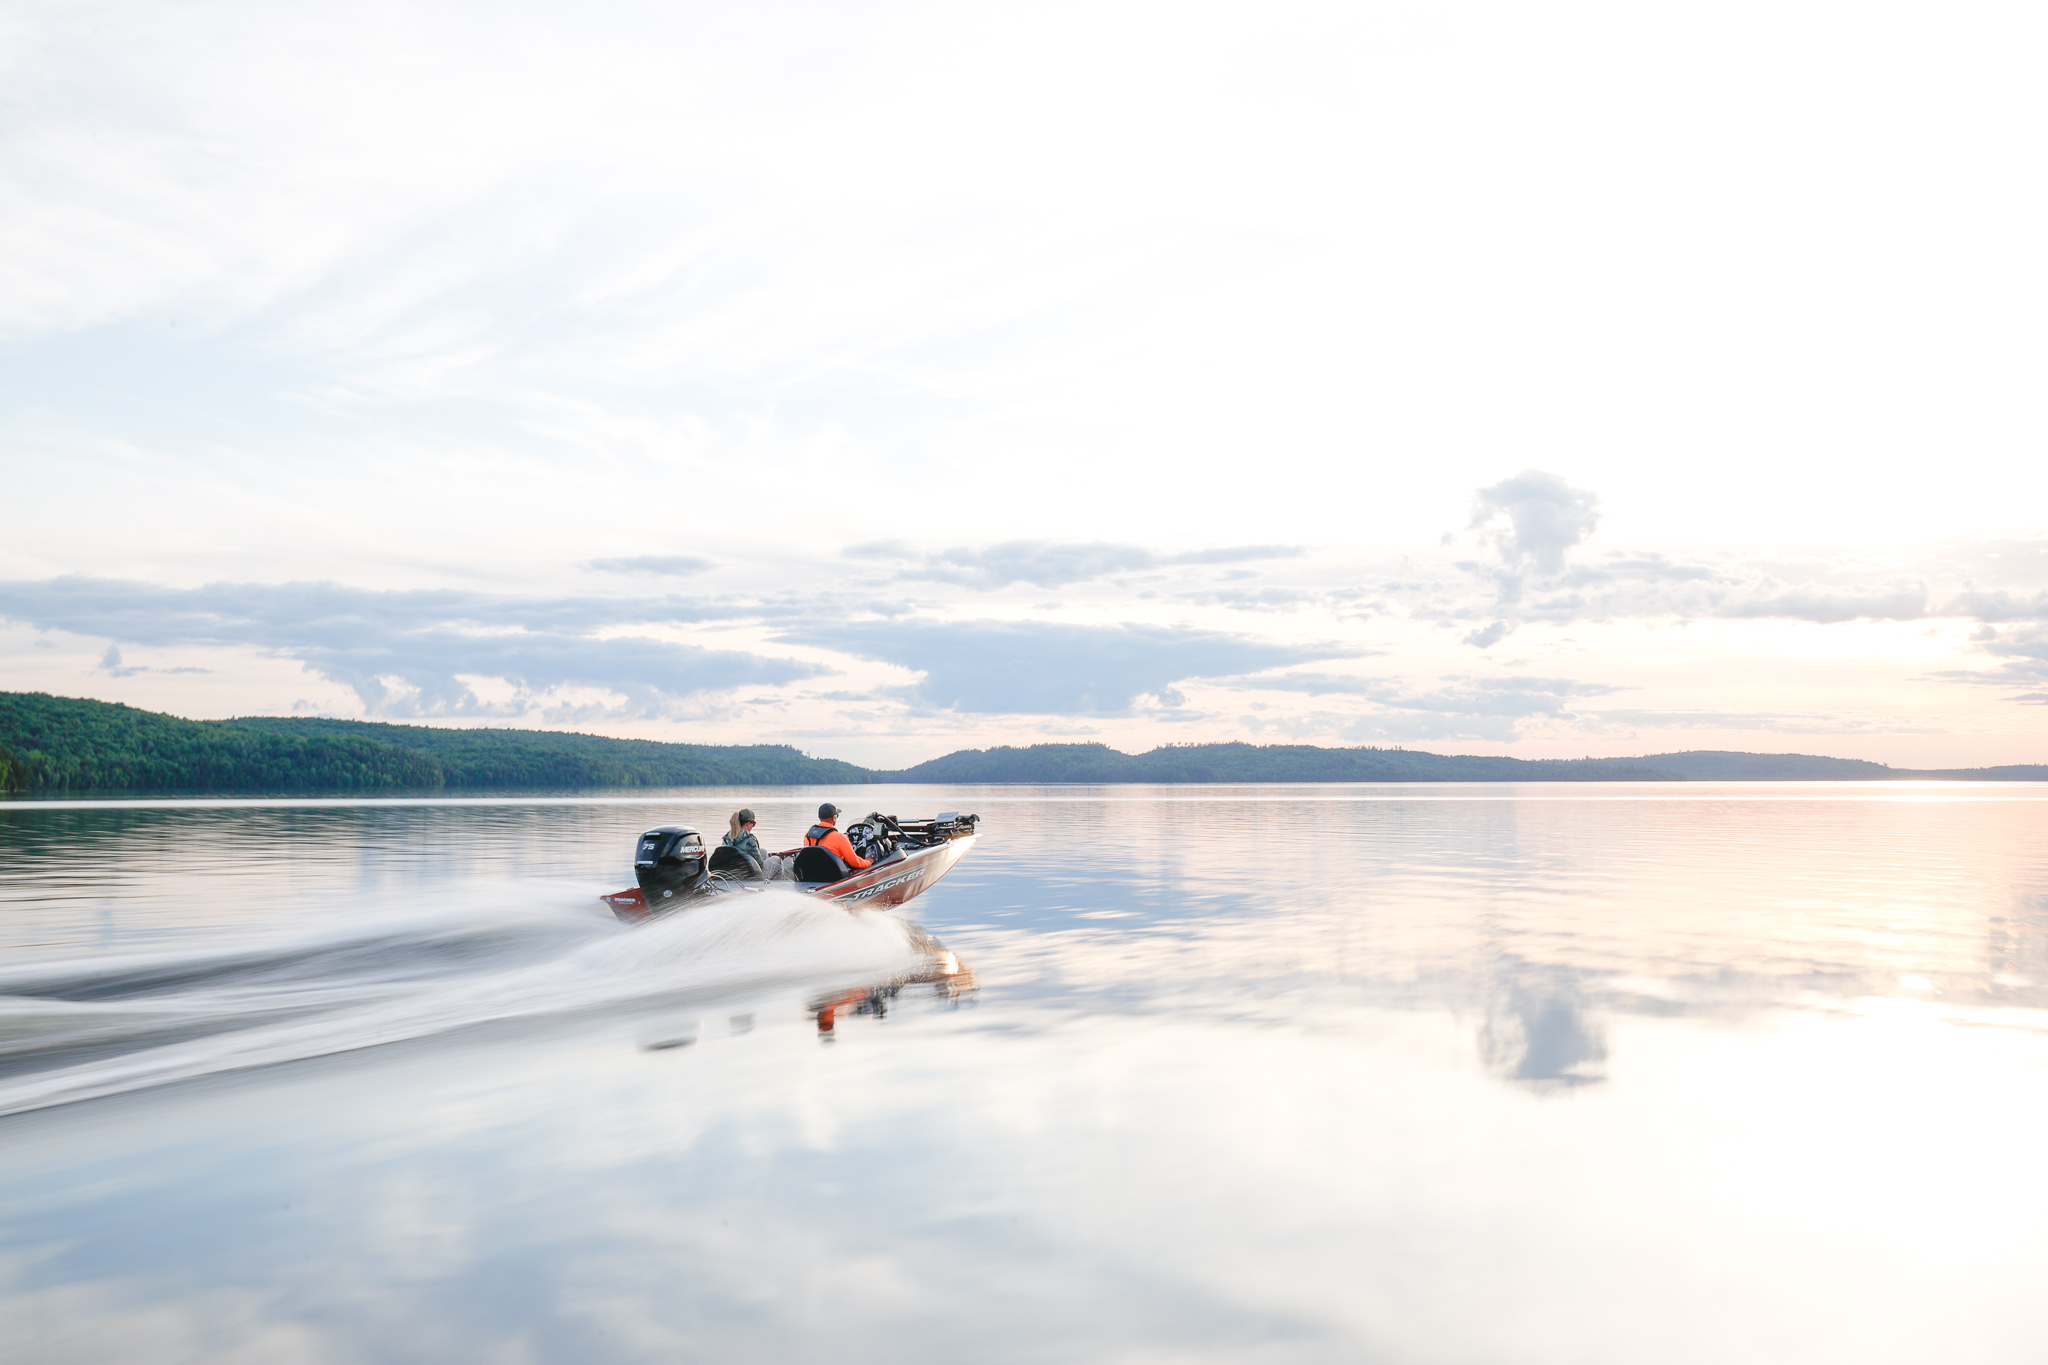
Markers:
825,834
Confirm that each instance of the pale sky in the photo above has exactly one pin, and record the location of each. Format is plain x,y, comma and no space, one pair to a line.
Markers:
888,379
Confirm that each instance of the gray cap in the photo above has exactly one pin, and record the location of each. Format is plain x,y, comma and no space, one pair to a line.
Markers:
746,817
827,811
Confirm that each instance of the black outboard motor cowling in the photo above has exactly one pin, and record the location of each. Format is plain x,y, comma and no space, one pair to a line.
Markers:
669,863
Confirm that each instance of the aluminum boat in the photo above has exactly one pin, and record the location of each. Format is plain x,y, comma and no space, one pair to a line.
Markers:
676,869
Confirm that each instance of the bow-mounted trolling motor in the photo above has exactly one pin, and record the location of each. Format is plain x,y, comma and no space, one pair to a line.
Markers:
669,863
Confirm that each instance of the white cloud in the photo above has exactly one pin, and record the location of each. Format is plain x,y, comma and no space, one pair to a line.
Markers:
1051,564
1109,302
1534,519
659,566
1054,668
412,654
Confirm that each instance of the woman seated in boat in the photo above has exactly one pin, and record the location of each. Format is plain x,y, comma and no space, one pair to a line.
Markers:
739,834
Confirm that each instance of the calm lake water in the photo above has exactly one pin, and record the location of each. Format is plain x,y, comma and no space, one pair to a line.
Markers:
1460,1074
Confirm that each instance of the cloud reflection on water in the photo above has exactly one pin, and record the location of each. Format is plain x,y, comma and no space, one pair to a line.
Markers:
1294,1079
1538,1029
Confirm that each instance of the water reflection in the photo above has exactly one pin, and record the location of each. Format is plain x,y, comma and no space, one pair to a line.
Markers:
1378,1076
940,968
1539,1029
81,1028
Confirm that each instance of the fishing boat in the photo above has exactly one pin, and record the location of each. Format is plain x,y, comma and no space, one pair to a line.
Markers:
675,869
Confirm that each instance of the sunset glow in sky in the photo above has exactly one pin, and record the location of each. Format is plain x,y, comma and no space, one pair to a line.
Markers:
889,379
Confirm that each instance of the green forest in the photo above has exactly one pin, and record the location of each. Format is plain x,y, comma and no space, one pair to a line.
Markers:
63,744
70,746
1259,763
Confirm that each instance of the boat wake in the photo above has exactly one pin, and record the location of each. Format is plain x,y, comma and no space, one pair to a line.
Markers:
83,1028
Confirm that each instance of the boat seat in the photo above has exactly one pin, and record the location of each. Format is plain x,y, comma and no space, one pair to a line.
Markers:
814,864
727,861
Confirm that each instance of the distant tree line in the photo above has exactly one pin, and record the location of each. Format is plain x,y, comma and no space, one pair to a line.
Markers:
64,744
1258,763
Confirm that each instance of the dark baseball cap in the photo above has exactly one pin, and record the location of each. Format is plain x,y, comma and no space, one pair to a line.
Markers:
746,817
827,811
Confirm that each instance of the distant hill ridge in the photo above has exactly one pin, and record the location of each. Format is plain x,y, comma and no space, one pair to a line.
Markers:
1238,762
1727,765
65,744
73,745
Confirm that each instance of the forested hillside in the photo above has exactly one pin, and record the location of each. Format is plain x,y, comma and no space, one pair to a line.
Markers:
1306,763
1257,763
62,744
67,745
471,758
1725,765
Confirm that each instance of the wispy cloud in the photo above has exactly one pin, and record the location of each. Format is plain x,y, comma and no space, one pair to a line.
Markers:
1997,606
2023,654
411,653
1829,606
1256,599
1051,668
1049,563
1462,694
1809,722
1495,597
112,664
667,566
1414,725
1460,706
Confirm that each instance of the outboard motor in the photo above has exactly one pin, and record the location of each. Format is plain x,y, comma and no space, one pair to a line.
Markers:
670,865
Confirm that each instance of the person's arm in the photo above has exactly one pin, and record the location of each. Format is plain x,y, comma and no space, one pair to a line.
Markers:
838,843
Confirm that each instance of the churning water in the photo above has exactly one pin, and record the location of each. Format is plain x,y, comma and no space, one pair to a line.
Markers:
1434,1074
80,1028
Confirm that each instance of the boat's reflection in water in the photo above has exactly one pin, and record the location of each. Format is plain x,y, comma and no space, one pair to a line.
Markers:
951,979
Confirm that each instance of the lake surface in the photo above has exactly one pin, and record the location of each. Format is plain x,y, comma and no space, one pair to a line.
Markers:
1471,1074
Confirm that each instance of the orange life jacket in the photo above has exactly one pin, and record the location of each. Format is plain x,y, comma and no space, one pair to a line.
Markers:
832,841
